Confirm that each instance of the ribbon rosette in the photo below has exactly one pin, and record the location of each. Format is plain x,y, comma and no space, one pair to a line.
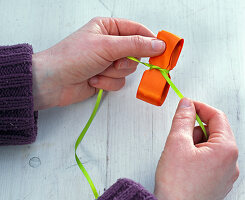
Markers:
155,82
153,86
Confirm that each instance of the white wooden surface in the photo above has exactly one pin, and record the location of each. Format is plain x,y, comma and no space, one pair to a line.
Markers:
128,135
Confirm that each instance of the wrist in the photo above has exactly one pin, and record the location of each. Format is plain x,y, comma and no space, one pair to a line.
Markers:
45,90
159,194
163,192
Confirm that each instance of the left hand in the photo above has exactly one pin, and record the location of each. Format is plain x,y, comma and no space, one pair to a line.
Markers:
93,57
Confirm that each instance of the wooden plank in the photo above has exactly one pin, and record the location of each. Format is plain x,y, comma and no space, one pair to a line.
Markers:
128,135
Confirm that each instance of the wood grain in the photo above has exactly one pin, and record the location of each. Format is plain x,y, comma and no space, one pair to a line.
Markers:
128,135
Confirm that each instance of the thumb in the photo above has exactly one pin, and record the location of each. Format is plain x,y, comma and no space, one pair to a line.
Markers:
183,123
136,45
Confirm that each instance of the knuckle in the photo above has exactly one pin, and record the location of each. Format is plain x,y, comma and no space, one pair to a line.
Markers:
183,115
230,153
182,121
118,85
109,52
96,19
133,69
235,152
220,114
223,118
237,173
226,155
122,83
138,41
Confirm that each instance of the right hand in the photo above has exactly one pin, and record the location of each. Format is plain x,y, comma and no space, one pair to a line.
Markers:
190,168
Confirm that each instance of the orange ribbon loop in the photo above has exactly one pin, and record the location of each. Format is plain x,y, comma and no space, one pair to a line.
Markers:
153,87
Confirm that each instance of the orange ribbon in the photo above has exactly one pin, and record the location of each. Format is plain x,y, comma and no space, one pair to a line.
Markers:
153,87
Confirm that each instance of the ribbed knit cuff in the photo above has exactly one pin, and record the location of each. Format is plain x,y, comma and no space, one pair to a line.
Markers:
18,121
126,189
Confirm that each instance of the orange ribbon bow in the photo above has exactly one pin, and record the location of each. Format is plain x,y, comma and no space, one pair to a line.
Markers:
153,87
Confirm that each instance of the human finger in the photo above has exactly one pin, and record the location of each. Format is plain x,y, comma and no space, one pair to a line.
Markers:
120,68
107,83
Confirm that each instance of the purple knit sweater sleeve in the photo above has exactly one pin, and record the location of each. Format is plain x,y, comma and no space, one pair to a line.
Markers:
126,189
18,121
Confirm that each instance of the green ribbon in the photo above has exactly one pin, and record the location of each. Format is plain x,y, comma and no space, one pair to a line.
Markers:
164,72
79,139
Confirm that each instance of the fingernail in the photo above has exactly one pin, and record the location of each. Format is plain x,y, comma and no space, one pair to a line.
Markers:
124,64
184,103
94,81
158,45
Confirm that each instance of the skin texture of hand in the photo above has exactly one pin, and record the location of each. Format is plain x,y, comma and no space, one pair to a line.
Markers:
191,169
91,58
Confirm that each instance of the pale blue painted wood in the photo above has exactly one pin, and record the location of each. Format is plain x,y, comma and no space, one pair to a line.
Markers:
128,135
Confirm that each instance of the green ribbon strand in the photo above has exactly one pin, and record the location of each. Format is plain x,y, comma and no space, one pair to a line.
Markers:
80,138
165,72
